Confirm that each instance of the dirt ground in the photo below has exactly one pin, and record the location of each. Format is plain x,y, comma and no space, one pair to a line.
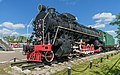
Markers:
8,55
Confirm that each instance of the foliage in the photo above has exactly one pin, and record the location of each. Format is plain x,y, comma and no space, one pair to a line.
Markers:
15,39
117,22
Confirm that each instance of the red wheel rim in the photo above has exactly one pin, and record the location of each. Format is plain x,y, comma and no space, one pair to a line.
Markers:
49,56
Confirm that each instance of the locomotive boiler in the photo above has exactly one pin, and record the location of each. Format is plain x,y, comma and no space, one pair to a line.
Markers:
58,35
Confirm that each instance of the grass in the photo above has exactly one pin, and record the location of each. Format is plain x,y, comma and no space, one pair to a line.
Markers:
3,68
1,51
109,66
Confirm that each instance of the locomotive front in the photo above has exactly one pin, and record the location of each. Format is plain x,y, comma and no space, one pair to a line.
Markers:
39,45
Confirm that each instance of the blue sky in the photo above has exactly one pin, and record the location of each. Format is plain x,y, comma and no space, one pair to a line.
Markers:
15,15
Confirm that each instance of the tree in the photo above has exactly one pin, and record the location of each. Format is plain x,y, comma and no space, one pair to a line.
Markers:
15,39
117,22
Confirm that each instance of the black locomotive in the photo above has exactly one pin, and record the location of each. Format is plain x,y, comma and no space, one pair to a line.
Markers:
59,35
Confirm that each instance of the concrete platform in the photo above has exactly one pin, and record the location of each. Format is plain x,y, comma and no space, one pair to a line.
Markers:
8,55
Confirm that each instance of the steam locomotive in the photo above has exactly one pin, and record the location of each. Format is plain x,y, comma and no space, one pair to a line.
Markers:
58,35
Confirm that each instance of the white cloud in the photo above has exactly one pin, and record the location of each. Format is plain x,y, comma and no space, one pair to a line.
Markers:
97,26
102,19
26,34
14,33
104,15
12,26
6,31
112,32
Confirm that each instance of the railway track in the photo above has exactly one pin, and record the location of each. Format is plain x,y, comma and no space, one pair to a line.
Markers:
30,65
27,65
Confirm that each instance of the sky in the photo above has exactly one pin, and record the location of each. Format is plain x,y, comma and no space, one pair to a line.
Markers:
16,15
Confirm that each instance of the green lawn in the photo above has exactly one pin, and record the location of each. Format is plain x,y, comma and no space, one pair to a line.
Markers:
4,67
109,66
